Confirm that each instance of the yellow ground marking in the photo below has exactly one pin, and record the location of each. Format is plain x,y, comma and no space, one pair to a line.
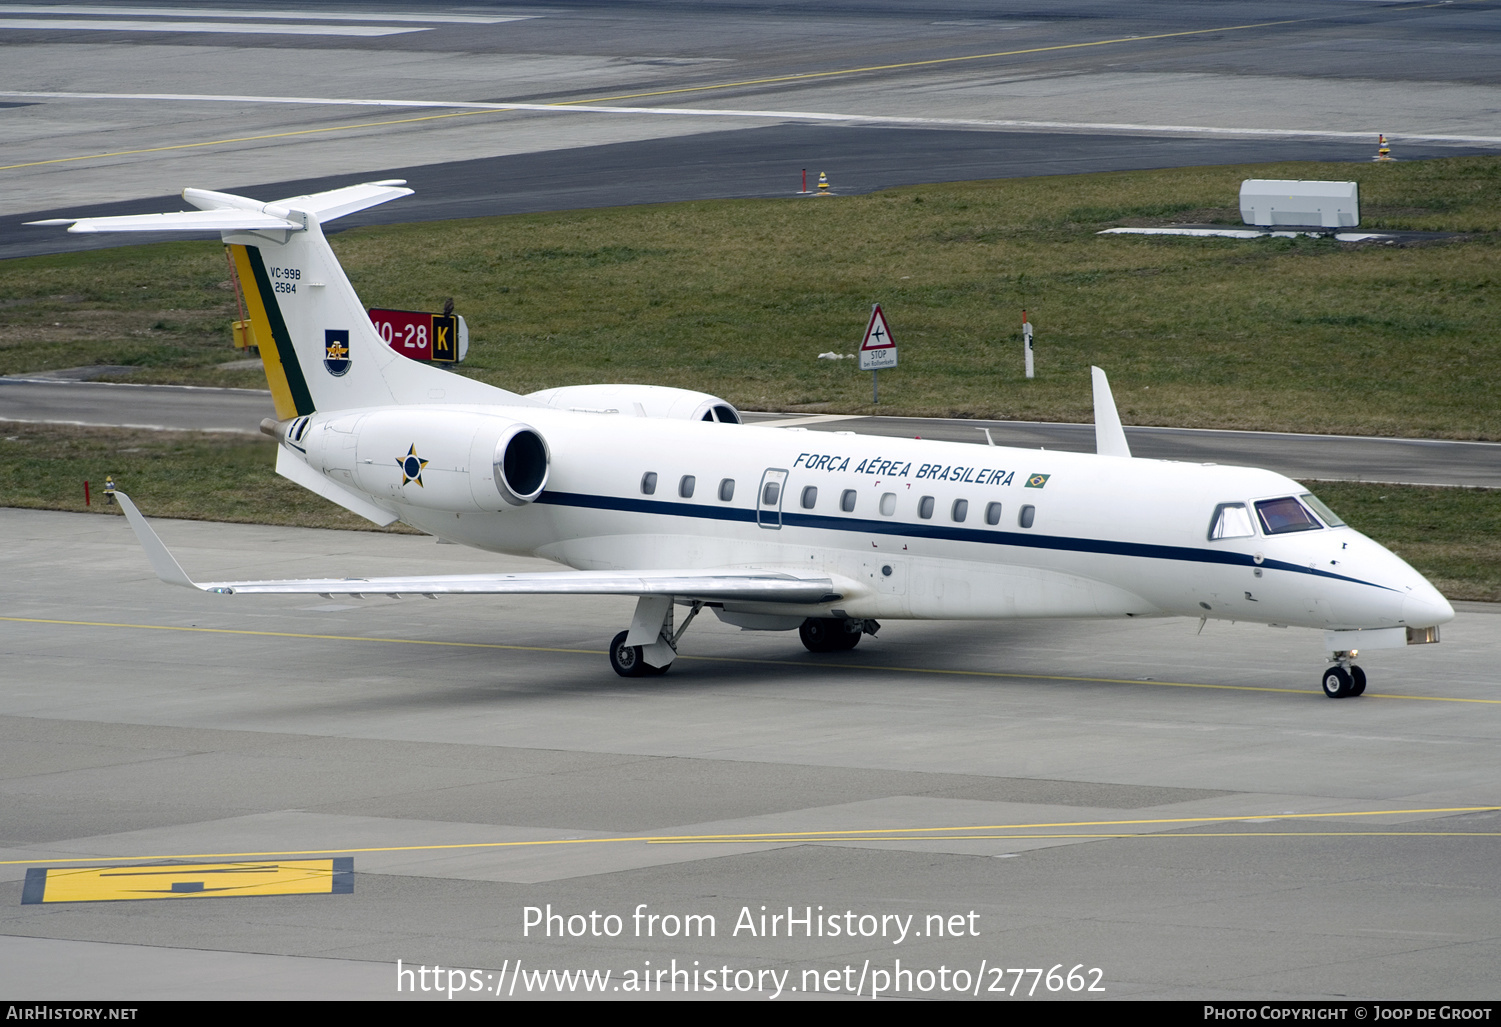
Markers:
1005,675
1154,835
205,880
805,76
784,837
697,89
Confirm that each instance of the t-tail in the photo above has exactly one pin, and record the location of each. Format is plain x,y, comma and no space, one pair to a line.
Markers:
317,343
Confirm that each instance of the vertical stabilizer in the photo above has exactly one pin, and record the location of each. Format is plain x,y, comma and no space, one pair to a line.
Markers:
1109,436
320,350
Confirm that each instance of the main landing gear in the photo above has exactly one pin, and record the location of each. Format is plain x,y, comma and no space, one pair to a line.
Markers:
834,634
1344,678
656,643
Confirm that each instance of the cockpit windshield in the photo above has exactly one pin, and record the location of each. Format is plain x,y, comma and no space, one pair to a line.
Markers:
1280,516
1315,504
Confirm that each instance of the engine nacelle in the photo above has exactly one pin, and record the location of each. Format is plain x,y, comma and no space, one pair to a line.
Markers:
433,457
639,401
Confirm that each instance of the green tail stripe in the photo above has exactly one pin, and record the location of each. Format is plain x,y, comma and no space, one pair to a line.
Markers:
301,397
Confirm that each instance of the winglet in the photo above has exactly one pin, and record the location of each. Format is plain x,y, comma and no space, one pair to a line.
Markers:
1109,436
162,562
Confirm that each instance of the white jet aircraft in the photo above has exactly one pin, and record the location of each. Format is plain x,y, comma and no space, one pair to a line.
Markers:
662,494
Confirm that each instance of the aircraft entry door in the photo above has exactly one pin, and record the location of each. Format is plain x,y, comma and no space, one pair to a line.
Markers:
769,498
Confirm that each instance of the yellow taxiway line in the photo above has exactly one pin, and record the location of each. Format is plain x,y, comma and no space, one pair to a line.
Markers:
1144,837
784,837
950,672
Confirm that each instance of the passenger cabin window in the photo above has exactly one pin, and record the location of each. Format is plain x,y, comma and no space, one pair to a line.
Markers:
770,494
1027,516
888,504
726,490
685,486
960,510
847,501
1317,506
1280,516
810,496
925,507
992,514
649,483
1231,520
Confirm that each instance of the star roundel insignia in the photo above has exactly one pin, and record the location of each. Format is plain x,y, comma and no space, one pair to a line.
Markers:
411,466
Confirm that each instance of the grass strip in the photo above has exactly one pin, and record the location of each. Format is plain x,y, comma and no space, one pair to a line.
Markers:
737,298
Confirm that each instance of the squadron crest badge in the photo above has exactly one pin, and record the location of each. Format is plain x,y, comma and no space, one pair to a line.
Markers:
336,351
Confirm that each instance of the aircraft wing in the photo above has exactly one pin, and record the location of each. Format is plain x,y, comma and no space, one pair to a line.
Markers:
712,585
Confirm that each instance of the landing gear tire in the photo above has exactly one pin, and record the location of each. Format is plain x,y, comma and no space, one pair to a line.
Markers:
827,635
627,659
1357,681
1338,683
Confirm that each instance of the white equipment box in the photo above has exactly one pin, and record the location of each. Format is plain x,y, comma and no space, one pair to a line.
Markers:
1269,201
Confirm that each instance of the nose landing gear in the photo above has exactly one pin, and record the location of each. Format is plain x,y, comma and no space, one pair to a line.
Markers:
1344,678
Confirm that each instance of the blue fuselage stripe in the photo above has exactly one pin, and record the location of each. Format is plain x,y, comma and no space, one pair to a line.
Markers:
902,529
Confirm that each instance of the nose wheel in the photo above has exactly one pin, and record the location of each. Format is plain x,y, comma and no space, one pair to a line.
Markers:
1344,679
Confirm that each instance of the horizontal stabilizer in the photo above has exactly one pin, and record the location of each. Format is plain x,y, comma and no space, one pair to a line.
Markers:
226,212
337,202
181,221
746,586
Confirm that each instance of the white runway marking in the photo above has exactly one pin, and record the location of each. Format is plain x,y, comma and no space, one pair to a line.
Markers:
178,12
237,27
1123,128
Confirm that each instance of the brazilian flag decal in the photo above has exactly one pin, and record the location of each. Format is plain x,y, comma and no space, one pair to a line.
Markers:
1037,481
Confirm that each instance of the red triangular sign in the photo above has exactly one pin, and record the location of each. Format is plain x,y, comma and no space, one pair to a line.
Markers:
877,335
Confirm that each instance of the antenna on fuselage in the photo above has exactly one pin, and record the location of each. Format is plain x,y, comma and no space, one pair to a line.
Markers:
1109,436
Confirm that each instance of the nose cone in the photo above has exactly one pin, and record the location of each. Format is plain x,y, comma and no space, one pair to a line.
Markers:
1409,598
1426,607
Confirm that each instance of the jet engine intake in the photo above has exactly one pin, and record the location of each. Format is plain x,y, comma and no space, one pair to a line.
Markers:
521,464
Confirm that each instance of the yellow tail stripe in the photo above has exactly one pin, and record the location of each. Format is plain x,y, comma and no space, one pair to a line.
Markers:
255,306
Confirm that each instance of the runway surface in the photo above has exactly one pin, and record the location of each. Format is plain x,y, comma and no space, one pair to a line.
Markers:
499,108
1185,812
1314,457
